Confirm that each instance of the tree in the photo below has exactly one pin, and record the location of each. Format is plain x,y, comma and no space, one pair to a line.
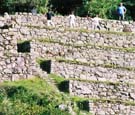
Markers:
64,6
22,5
104,8
130,5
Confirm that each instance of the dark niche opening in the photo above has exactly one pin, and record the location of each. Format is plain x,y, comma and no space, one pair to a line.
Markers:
46,66
83,105
23,47
64,86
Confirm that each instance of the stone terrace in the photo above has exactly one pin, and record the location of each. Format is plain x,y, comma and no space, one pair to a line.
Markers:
99,65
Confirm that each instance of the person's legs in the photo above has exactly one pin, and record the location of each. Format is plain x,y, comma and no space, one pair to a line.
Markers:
71,23
123,17
119,17
94,26
48,22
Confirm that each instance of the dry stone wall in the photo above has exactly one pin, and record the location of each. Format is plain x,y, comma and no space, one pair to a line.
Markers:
63,21
108,108
91,54
15,65
79,37
100,63
88,89
94,73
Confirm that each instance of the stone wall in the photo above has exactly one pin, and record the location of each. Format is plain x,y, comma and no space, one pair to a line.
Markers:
100,63
91,54
105,90
63,21
108,108
96,73
13,64
17,66
74,36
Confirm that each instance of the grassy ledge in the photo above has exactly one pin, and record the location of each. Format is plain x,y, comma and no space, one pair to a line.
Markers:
60,79
122,49
107,65
101,82
81,30
103,100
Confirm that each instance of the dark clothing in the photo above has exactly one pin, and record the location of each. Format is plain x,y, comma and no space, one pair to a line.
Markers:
49,16
121,16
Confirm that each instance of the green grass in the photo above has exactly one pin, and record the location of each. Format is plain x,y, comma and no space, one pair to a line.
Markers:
36,85
22,41
56,78
39,27
34,97
30,97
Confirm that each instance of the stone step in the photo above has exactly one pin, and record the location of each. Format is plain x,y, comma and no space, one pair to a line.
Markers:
99,89
87,71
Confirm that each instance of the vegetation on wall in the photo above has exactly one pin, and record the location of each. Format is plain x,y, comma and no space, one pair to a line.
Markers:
36,97
130,5
105,8
64,6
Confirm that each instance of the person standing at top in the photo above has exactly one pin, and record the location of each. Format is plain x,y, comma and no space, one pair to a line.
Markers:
72,20
121,10
49,18
96,23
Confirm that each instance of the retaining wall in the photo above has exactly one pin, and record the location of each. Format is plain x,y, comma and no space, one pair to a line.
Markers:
92,52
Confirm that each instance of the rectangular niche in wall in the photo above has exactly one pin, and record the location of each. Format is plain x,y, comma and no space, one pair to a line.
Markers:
45,65
83,105
23,46
64,86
